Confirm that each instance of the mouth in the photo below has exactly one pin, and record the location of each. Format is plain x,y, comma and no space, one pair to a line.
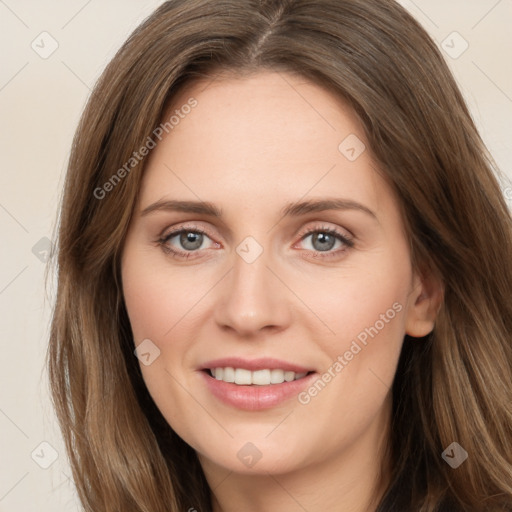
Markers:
254,385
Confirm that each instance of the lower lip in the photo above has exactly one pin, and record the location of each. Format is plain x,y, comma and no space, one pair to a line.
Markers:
255,398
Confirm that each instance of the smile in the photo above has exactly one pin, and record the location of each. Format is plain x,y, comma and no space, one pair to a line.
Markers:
264,377
254,385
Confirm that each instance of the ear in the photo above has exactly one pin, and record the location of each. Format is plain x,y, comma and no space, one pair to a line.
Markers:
425,301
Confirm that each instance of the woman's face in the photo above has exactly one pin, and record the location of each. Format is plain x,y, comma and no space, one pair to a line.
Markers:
299,265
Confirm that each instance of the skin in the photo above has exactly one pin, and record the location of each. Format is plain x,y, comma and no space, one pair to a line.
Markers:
251,146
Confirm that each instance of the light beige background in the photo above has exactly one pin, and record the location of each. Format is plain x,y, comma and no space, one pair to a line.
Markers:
40,103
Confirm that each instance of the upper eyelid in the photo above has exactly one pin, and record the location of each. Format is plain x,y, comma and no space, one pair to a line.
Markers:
303,230
311,229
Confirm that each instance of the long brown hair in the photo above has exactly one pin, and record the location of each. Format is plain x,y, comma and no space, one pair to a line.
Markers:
454,385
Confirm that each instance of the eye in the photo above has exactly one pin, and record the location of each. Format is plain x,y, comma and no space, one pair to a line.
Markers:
184,242
324,240
188,239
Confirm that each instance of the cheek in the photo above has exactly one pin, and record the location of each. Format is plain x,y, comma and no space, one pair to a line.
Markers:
366,311
144,311
363,321
159,306
357,300
155,299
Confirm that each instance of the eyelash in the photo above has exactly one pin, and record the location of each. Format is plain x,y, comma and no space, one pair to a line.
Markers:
163,241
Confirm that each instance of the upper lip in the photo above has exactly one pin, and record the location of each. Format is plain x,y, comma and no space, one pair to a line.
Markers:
262,363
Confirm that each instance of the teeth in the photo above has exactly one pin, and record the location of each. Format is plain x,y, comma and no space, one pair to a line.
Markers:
276,376
242,376
245,377
260,377
229,375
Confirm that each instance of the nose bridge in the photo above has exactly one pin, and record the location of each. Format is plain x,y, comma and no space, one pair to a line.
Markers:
253,297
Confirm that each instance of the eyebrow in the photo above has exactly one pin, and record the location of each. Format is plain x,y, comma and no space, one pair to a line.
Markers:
290,210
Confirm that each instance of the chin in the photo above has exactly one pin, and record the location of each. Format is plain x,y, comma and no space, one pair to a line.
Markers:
254,463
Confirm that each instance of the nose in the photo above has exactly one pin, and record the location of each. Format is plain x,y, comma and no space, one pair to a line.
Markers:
253,298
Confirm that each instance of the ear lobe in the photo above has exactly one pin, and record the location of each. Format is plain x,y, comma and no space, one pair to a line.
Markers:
426,299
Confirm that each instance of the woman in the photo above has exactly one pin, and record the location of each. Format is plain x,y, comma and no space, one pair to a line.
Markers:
284,271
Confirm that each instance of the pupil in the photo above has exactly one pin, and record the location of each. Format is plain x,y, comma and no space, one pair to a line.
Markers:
324,238
195,239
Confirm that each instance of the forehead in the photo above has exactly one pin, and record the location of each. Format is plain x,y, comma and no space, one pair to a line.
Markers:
261,138
263,105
